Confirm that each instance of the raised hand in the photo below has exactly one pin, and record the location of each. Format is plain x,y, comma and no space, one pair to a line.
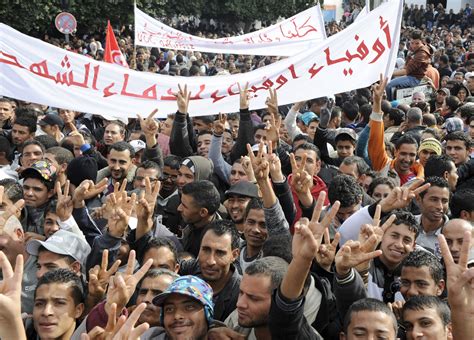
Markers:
460,283
122,285
272,103
275,168
149,125
182,98
378,89
352,254
247,166
99,276
400,197
273,130
327,251
65,205
259,163
219,124
301,181
11,326
11,209
119,208
244,96
77,136
87,190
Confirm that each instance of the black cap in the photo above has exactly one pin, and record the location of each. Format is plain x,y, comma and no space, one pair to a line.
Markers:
82,168
51,119
243,188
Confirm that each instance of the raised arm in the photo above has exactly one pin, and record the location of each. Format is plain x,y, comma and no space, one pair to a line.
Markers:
180,139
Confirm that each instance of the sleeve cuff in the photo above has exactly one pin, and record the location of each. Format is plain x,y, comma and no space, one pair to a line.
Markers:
85,147
376,116
347,279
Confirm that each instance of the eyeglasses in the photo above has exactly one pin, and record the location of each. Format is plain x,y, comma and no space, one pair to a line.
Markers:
141,178
165,177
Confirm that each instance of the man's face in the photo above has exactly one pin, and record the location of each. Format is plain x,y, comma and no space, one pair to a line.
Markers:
260,136
397,242
35,193
456,149
381,191
345,148
20,134
119,163
171,175
216,256
151,287
405,157
424,324
55,312
418,98
12,244
50,224
253,304
346,212
142,174
255,228
185,176
424,155
415,44
435,204
162,258
77,146
454,234
349,170
418,281
370,325
184,318
67,115
203,144
112,134
31,153
227,142
49,261
452,177
470,84
440,97
236,206
6,111
234,127
313,164
189,211
199,125
471,128
237,174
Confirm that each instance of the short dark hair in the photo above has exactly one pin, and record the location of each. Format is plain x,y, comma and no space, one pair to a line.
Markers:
362,167
278,245
368,305
271,266
222,227
405,139
157,272
431,131
254,203
204,194
204,132
420,258
26,118
150,165
345,189
459,135
462,199
302,136
205,119
34,142
309,146
422,302
47,140
416,35
174,162
120,124
403,217
62,155
452,102
378,181
5,147
123,146
12,189
159,242
397,115
350,109
64,276
435,181
438,165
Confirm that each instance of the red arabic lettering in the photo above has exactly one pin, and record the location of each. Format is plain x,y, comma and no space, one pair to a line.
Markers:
41,69
107,92
149,93
10,59
314,71
297,29
170,97
292,71
198,95
281,80
94,79
230,92
216,97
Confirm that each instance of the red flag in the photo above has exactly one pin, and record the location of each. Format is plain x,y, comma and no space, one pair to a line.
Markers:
113,54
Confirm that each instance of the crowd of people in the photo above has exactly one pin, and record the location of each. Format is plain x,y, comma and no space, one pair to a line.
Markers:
342,217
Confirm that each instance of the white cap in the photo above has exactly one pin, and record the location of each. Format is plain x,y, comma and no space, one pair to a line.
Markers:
138,145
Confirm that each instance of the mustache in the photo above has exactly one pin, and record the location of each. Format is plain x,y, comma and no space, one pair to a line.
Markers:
181,323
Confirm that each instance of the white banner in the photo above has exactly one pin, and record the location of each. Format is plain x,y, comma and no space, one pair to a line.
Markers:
289,37
35,71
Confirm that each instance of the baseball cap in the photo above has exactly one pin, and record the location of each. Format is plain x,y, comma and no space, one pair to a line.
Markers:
243,188
453,124
431,144
193,287
62,242
138,145
445,91
307,116
51,119
346,131
43,168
